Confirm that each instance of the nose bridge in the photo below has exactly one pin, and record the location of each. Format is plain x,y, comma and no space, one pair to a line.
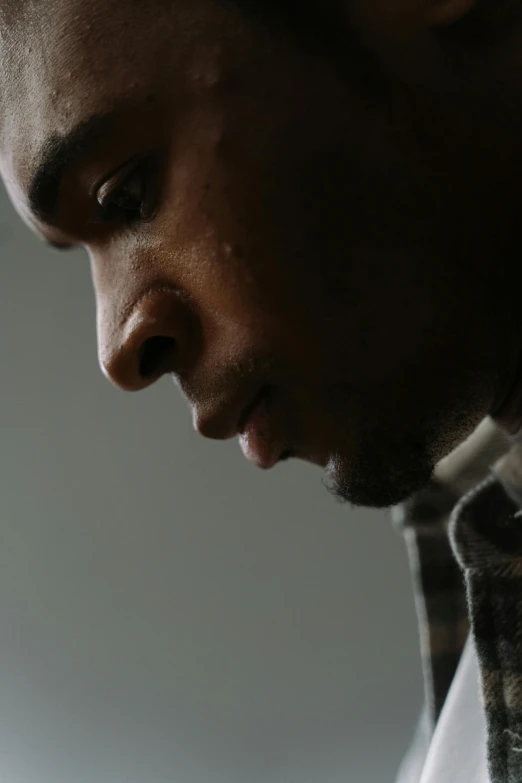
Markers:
144,338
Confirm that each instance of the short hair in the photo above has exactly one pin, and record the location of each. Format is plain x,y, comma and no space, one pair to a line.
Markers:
315,26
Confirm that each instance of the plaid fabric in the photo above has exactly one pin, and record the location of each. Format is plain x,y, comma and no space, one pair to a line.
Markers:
463,535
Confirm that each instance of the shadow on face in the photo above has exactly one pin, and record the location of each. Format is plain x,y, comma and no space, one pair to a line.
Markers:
316,236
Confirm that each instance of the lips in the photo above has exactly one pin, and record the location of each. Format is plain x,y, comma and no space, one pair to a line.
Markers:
255,415
259,441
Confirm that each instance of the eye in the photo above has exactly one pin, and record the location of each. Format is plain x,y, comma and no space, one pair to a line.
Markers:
125,197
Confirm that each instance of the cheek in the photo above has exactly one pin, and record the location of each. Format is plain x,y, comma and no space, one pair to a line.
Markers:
303,240
218,238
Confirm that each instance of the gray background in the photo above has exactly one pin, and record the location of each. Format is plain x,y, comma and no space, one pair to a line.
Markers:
168,613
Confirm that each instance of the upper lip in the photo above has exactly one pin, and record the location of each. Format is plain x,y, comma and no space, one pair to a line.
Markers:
231,417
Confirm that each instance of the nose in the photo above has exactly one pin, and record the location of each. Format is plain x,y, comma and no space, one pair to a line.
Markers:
151,341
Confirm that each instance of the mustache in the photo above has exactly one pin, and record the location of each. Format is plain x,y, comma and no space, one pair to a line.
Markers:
219,380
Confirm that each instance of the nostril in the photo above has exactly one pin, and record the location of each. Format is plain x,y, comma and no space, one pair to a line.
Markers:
156,356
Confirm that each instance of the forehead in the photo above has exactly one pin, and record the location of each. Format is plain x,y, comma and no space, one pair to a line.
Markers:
62,61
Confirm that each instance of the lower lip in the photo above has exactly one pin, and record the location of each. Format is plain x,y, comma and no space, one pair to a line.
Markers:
257,440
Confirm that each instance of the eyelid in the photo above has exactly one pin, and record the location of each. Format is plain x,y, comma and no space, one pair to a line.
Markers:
116,179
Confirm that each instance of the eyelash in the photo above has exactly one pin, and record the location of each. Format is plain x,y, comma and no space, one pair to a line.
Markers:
110,212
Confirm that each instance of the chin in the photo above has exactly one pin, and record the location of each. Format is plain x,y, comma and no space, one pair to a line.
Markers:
376,483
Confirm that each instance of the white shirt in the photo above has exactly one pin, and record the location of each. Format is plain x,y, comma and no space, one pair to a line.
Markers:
457,751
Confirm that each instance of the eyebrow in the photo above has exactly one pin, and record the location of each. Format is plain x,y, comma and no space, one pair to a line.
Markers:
57,156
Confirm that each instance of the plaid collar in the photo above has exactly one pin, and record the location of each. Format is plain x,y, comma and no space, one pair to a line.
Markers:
463,534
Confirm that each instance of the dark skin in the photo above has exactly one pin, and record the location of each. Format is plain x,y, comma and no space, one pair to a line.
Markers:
272,223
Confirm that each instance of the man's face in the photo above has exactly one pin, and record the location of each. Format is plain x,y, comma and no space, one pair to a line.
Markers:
261,228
